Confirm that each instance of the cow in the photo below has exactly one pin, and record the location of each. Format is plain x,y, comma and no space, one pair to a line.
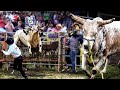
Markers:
30,36
101,37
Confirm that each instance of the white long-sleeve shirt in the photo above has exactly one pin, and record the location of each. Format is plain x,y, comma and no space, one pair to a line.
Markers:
13,50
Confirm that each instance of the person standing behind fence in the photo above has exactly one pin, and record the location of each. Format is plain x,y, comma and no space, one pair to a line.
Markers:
9,26
18,27
15,18
50,28
16,53
74,49
2,23
46,16
30,19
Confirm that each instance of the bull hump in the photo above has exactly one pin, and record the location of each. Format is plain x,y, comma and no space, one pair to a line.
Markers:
23,41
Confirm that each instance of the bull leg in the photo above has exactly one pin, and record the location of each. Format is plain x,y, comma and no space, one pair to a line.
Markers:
104,69
40,46
99,64
97,67
29,46
84,66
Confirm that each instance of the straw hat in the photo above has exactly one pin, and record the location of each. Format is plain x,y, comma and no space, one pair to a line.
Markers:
59,25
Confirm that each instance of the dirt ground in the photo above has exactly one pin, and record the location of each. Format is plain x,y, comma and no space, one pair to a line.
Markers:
41,73
113,72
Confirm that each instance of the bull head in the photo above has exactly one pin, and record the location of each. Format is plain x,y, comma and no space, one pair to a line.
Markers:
90,27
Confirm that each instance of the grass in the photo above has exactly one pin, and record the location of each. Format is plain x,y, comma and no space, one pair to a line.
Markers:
41,73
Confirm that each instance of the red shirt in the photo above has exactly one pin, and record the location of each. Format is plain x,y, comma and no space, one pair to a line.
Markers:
15,18
2,23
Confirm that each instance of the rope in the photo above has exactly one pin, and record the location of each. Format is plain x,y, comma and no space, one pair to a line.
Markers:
91,58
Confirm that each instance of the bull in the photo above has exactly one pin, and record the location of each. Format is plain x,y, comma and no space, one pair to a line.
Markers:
101,37
30,37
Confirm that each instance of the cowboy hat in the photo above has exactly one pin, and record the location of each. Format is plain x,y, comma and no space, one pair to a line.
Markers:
59,25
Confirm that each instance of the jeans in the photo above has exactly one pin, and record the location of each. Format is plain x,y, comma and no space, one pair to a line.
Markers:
72,57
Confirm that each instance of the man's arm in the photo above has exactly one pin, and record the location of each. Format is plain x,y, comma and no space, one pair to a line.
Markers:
7,52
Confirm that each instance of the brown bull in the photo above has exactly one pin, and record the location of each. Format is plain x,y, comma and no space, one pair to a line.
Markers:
29,37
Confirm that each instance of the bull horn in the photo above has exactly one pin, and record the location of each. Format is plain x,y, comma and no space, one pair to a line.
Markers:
77,18
106,21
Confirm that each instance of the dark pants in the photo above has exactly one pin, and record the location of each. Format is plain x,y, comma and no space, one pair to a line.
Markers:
18,65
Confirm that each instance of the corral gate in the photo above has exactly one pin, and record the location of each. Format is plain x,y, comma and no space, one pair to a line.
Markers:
52,49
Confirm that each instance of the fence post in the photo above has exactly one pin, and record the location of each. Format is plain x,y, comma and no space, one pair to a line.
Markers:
59,54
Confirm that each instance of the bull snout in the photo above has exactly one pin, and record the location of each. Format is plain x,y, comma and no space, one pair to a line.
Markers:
86,47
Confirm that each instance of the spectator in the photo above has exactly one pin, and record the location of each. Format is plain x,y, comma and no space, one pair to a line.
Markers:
18,27
9,26
60,17
11,17
46,27
2,23
41,21
50,28
15,18
68,21
46,16
22,19
30,19
58,28
64,28
55,18
8,15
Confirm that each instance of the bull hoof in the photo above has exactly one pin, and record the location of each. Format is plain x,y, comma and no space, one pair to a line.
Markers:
94,72
119,66
87,74
90,64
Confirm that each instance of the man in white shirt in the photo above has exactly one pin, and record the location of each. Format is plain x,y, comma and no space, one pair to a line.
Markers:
16,53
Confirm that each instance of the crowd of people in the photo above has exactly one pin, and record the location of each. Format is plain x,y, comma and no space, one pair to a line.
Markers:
51,21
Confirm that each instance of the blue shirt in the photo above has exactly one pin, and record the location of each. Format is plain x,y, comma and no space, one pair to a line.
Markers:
74,43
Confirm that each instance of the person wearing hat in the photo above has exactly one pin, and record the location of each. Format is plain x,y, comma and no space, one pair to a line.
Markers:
30,19
73,43
58,28
78,28
16,53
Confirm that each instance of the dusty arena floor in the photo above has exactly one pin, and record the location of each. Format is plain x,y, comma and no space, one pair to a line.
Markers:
47,73
41,74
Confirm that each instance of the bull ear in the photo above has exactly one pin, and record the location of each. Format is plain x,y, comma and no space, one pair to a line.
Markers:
106,21
77,18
